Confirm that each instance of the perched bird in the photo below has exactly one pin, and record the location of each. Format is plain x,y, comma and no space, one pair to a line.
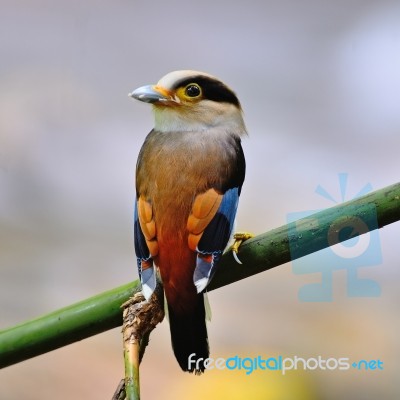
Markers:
189,175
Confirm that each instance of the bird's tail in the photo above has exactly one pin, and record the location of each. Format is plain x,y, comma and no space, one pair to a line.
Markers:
189,337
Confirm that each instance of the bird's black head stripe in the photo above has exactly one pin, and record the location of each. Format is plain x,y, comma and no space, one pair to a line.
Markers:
212,89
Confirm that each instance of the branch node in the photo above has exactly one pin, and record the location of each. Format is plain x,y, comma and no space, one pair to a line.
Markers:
140,317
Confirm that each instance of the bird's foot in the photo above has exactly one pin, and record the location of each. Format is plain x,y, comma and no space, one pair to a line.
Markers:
239,238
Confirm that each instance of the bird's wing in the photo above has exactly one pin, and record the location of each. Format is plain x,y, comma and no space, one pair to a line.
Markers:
146,245
210,226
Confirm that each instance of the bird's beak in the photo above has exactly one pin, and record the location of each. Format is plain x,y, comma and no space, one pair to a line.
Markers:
154,94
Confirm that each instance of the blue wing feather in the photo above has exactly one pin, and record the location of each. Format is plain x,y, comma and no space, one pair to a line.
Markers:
141,249
147,275
215,238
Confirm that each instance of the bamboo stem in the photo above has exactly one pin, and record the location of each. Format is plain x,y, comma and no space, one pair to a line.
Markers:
132,382
102,312
140,318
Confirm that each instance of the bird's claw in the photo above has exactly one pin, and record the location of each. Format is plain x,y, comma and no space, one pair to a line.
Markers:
239,238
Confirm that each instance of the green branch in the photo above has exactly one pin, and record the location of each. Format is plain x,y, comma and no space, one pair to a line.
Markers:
278,246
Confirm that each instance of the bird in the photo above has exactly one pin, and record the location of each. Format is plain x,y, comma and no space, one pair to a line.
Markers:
189,175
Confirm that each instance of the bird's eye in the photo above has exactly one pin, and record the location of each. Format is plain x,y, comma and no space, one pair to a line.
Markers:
192,90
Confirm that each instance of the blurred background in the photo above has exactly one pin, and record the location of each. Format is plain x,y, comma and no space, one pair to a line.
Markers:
319,83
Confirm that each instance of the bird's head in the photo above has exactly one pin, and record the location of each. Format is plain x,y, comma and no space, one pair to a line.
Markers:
191,100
